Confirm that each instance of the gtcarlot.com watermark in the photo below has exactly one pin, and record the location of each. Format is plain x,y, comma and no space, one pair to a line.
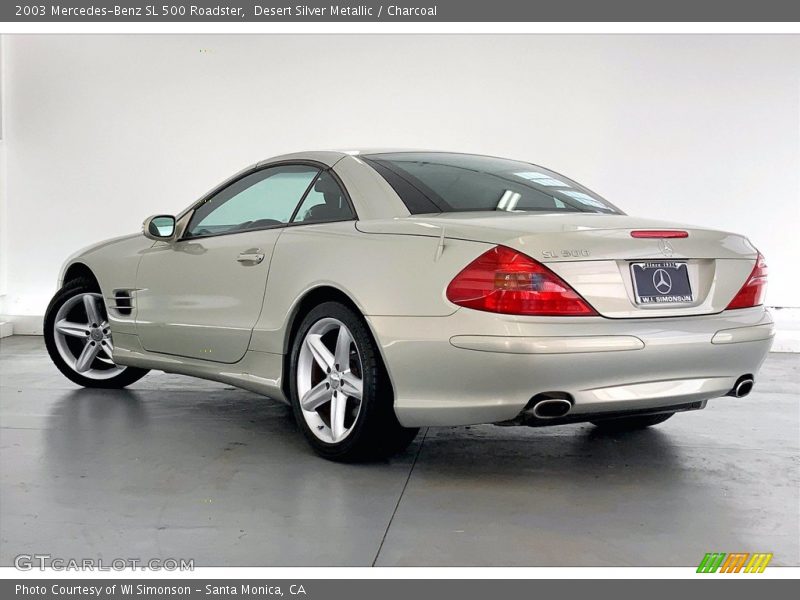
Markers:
42,562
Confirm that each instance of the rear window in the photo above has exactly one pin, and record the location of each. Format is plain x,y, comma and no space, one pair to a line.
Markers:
437,182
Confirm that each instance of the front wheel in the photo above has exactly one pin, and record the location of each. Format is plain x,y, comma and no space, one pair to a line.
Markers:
78,338
341,395
631,423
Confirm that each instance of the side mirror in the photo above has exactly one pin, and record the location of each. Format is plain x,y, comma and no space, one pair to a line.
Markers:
159,227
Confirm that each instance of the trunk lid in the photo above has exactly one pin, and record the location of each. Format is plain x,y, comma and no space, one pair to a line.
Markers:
594,254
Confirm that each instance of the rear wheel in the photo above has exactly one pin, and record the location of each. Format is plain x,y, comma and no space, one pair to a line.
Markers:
341,395
631,423
78,338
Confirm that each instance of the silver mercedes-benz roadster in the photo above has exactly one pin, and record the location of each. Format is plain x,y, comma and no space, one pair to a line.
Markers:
378,292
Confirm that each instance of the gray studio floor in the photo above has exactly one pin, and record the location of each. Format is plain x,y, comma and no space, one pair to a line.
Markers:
183,468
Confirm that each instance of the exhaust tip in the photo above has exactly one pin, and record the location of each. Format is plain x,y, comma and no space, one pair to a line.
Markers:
744,385
551,408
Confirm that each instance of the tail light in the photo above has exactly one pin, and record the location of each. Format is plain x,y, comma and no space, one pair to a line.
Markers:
754,289
502,280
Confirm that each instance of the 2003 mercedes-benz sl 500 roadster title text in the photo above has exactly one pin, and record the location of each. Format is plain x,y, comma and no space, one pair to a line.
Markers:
378,292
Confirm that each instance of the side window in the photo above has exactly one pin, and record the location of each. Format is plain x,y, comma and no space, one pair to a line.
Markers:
266,198
325,202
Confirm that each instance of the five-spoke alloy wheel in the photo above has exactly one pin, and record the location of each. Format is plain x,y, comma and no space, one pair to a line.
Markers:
80,317
78,338
340,392
329,380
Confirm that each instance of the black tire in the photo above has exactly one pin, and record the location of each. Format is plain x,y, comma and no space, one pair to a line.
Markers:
376,432
71,289
631,423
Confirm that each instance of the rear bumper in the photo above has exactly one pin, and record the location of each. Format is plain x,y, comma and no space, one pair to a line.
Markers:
475,367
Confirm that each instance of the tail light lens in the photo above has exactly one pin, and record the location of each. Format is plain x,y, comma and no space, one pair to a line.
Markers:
754,289
502,280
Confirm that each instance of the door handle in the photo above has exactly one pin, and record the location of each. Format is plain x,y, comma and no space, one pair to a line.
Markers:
251,256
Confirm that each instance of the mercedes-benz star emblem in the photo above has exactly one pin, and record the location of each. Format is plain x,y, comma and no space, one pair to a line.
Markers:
662,281
665,247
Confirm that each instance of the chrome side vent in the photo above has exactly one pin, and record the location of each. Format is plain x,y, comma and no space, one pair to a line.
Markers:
123,302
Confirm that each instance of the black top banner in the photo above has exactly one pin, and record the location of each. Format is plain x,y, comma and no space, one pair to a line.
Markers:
400,11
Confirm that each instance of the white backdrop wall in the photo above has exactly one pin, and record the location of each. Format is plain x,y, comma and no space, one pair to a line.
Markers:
101,131
3,219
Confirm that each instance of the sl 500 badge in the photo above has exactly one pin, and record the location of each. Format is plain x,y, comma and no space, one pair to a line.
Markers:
578,253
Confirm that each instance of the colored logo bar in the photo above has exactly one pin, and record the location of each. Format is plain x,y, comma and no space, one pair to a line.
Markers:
735,562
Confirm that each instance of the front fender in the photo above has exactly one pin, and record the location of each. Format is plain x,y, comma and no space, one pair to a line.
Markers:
94,252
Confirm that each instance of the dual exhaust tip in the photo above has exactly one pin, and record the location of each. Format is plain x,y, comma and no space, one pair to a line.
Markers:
743,386
552,405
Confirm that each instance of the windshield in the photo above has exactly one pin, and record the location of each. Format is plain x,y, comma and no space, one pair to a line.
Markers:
436,182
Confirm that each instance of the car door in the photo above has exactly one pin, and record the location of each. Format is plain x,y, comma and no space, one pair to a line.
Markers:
201,296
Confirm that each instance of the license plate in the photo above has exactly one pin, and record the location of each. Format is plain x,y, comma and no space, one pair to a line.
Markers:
661,282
